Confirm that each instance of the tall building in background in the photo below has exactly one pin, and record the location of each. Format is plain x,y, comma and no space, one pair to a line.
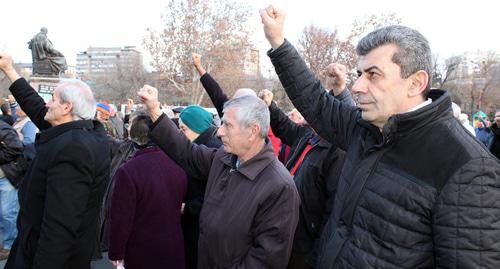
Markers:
97,61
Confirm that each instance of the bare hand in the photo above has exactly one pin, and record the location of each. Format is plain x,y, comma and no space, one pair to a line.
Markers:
196,59
7,67
149,97
116,263
336,77
11,99
183,205
267,96
5,62
197,63
273,20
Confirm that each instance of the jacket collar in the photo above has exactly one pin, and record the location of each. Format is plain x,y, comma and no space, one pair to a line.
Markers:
400,125
206,135
252,168
52,132
148,149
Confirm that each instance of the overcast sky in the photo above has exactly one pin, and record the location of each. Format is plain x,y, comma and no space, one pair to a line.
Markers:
452,27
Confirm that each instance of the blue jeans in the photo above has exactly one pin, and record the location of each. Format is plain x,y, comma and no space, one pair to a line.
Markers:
10,207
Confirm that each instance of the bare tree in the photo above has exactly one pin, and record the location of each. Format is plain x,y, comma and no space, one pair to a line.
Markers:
118,84
473,81
442,72
486,80
215,29
321,46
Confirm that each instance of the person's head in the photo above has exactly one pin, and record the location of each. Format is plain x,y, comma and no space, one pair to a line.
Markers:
103,112
5,109
194,120
72,100
177,111
245,125
497,118
244,92
112,110
296,117
140,123
44,30
395,69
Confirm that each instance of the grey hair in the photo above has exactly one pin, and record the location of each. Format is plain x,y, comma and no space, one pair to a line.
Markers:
80,96
413,54
251,110
244,91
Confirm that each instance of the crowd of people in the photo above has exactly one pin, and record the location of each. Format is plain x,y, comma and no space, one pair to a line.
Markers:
386,174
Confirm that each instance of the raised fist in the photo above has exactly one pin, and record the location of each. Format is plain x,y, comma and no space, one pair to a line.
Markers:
267,96
273,20
336,77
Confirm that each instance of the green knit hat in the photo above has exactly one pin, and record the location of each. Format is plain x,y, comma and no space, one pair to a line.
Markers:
196,118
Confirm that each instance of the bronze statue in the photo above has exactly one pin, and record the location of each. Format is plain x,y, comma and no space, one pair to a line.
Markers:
46,59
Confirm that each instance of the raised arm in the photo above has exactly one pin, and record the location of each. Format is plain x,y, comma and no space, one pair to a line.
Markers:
285,129
196,160
29,100
213,88
333,120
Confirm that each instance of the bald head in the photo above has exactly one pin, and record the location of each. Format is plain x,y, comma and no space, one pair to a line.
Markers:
244,92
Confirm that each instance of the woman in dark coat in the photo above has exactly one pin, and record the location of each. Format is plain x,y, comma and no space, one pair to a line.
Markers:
145,226
197,124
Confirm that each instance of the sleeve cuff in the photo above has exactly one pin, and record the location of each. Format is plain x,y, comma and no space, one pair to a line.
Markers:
157,121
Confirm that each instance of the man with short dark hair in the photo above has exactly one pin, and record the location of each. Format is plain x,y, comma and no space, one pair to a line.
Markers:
495,129
61,193
416,190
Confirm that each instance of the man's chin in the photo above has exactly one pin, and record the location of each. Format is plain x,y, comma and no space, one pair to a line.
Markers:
227,149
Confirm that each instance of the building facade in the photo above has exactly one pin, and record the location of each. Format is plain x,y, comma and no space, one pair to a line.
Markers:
97,61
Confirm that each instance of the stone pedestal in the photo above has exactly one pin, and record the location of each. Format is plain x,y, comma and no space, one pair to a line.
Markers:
45,86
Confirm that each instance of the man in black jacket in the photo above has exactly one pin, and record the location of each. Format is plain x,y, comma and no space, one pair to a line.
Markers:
315,166
62,191
11,148
495,129
416,190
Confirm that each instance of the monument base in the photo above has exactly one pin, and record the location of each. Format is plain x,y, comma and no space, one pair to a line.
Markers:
45,86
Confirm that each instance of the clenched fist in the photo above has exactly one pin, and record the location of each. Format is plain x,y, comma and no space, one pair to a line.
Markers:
273,20
336,77
267,96
149,97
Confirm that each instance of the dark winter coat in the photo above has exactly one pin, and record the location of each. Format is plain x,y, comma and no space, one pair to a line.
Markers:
194,202
495,145
250,212
11,153
421,194
316,180
121,151
145,226
62,191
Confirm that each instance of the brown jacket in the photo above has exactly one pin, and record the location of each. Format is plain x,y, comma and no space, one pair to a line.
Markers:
250,213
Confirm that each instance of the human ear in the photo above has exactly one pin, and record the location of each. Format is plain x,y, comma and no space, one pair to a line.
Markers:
419,81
